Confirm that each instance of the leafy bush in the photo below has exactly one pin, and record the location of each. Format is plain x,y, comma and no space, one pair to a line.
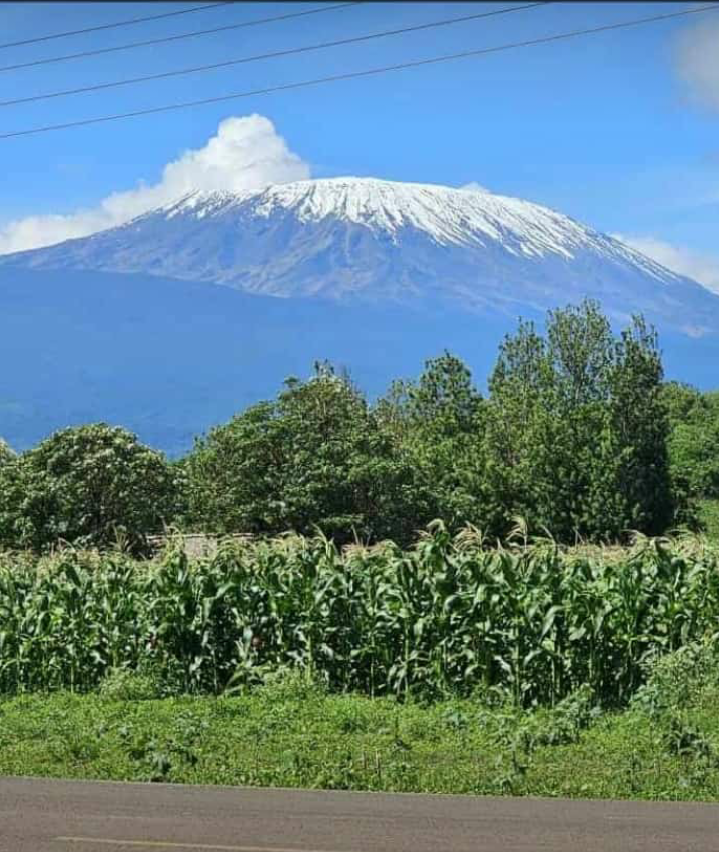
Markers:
708,511
292,684
685,740
91,485
121,684
677,680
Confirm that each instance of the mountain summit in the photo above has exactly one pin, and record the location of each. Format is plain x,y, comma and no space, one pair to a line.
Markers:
180,318
366,239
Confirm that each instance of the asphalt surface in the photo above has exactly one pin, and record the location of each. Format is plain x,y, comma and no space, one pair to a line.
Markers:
66,816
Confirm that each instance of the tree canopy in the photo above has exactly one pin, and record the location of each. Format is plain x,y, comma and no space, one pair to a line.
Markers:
88,484
578,434
314,457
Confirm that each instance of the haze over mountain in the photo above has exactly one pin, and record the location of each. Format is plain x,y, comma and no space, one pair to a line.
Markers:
340,268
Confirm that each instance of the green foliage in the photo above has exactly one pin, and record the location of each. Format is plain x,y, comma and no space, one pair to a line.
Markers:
678,680
693,444
708,511
437,426
125,685
323,741
8,461
314,458
682,402
575,429
93,484
6,454
447,618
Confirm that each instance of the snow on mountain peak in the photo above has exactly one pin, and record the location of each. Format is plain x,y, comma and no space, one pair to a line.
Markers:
349,237
450,216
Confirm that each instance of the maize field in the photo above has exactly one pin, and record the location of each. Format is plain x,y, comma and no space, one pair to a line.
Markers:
450,617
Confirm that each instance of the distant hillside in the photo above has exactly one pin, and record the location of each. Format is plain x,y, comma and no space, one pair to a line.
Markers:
169,359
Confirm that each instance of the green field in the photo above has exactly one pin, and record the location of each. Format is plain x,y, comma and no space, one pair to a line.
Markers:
292,735
448,618
452,667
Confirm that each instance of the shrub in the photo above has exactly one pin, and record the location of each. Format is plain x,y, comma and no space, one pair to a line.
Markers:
677,680
90,485
122,684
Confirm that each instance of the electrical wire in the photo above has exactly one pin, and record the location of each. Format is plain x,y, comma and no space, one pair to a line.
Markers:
289,52
358,74
116,24
165,39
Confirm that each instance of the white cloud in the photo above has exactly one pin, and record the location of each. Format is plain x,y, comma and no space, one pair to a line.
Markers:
473,186
703,268
246,153
697,60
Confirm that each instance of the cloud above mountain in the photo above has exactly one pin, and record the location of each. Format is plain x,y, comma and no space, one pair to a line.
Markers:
246,153
697,60
703,268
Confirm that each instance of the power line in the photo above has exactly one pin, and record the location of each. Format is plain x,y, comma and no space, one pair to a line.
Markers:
289,52
357,74
165,39
112,26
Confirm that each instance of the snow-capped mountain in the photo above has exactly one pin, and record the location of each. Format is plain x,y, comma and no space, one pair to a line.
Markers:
362,238
172,323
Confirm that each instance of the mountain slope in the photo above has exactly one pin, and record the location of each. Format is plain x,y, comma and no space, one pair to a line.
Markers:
184,316
169,359
352,239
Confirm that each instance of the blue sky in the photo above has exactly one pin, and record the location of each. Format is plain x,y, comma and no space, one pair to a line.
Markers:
619,129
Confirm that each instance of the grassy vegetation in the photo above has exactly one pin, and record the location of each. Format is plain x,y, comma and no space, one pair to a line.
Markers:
292,734
709,518
449,618
449,668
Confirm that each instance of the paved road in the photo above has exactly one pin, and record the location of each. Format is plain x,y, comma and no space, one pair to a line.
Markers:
64,816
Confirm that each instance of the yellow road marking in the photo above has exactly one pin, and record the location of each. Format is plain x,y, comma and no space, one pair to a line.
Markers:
169,844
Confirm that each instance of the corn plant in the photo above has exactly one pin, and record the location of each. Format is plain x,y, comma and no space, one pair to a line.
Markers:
450,616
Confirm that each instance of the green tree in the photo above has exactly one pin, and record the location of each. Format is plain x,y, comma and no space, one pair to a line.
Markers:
8,494
6,454
437,423
682,402
235,474
316,456
86,484
692,450
641,429
694,439
575,429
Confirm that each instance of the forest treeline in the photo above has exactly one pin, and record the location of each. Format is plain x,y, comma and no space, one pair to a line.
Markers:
579,434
